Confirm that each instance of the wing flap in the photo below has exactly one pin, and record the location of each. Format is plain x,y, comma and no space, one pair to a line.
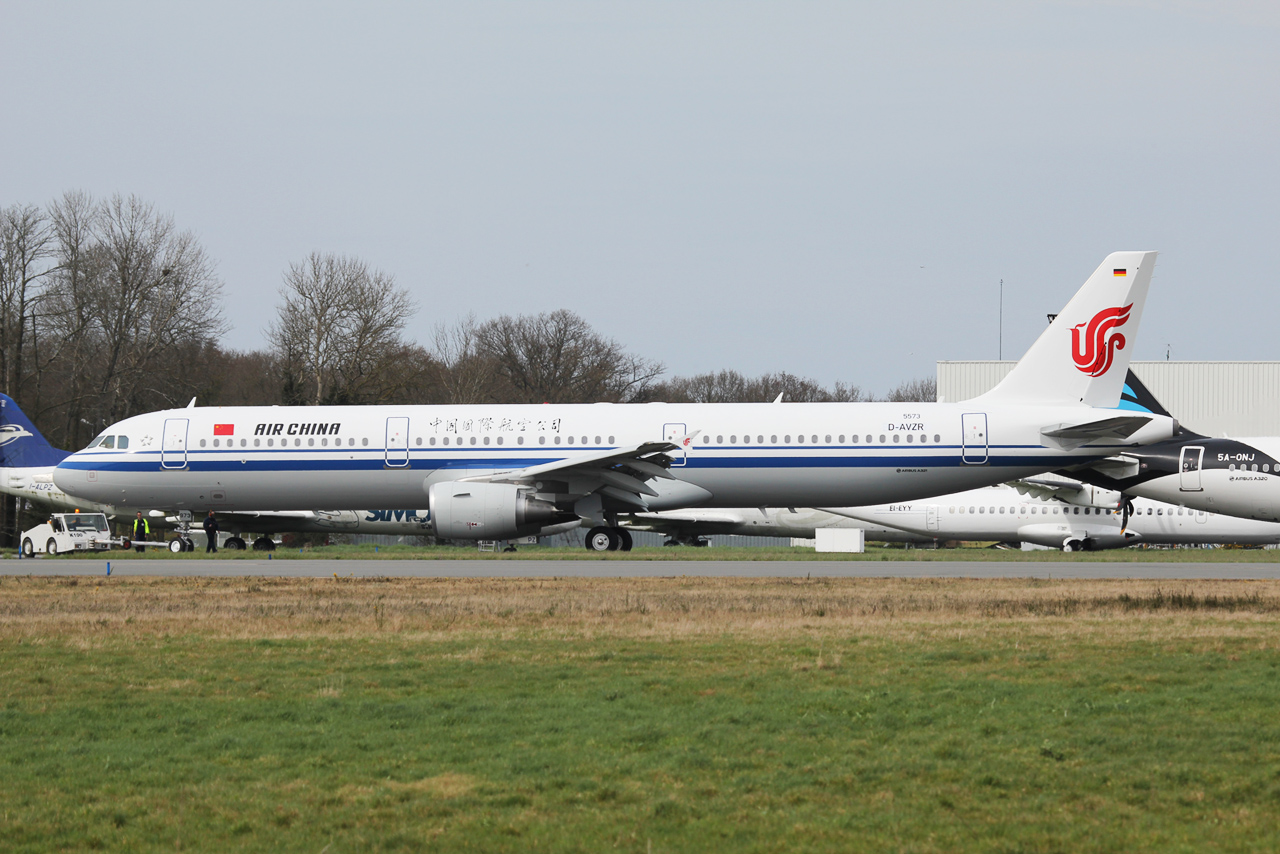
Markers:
1068,437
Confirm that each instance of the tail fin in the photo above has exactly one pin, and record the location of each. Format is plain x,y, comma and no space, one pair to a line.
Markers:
1137,397
1083,356
21,445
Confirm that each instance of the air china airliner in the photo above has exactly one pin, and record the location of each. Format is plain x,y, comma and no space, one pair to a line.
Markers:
495,472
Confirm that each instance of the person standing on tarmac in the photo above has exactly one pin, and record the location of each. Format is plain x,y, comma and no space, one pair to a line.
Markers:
141,532
211,532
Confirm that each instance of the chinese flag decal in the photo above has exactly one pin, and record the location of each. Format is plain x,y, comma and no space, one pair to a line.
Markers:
224,429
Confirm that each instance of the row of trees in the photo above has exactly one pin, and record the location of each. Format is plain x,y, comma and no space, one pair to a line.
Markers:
108,309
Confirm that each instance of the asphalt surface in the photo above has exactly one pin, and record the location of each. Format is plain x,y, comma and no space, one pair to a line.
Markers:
503,568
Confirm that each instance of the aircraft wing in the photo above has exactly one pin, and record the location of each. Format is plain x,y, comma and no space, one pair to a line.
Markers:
618,475
1068,437
1050,490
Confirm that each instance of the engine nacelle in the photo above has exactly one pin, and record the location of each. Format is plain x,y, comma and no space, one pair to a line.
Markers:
489,511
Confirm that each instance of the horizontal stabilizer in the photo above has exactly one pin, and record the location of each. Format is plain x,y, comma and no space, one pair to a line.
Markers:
1068,437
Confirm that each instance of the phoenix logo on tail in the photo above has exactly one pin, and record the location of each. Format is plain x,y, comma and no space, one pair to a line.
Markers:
11,433
1100,340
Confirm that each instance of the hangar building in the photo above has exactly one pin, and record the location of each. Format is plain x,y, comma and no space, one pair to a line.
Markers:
1235,399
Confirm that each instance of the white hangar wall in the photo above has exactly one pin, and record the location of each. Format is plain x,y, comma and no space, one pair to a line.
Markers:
1215,398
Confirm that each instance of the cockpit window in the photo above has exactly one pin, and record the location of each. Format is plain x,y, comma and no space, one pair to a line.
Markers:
108,442
95,443
122,442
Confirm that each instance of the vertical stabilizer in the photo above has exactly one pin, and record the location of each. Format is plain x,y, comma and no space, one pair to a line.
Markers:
1084,354
21,445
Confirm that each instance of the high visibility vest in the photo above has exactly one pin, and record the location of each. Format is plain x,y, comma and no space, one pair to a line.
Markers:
146,527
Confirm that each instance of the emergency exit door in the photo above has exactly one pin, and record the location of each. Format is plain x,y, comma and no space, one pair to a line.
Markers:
1189,462
973,428
675,433
397,442
173,448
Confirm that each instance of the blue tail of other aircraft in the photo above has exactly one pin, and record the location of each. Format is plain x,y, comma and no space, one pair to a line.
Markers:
21,445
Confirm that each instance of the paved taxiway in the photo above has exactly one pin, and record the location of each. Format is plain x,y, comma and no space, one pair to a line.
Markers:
635,569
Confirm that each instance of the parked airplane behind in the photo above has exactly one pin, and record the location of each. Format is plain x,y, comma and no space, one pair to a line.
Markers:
1082,518
690,526
1238,477
495,472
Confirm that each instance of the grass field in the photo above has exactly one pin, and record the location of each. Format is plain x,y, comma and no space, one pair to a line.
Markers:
638,715
753,553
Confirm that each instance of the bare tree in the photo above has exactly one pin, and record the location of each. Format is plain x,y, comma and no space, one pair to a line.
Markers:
559,358
131,300
25,246
338,330
732,387
915,391
465,374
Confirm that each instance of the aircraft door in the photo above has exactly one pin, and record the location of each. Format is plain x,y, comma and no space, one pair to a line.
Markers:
973,426
1189,462
931,517
173,449
397,442
675,433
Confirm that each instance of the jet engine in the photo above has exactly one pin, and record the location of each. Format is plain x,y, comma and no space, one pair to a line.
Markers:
489,511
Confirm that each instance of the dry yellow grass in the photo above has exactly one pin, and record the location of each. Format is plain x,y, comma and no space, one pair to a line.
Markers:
757,608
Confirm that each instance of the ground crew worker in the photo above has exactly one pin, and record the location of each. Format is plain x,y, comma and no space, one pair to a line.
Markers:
211,531
141,531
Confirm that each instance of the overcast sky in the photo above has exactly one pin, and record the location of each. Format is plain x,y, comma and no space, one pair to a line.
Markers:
831,189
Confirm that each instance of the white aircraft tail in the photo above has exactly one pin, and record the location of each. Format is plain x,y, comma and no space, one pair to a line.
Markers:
1084,354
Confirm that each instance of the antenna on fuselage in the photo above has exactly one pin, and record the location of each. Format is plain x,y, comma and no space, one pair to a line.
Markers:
778,399
192,404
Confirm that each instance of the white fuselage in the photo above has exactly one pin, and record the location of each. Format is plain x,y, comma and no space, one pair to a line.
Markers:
1001,513
731,455
1239,477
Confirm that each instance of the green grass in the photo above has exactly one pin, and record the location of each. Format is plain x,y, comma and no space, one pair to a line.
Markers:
1150,725
754,553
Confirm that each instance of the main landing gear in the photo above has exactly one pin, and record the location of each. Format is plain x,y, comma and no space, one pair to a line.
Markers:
602,539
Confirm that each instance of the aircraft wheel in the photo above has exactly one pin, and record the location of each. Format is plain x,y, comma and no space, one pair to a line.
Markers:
234,543
264,544
624,536
1072,546
509,549
176,546
51,547
188,544
28,548
602,539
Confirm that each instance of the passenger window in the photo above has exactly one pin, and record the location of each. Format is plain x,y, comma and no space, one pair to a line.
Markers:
787,439
473,440
828,438
297,443
853,439
325,442
201,443
499,440
431,440
719,440
311,443
570,440
365,442
800,439
897,437
1160,511
1077,511
982,510
610,440
418,440
123,442
257,443
937,438
597,440
910,438
557,440
951,509
868,438
923,437
271,443
584,440
486,440
881,438
542,440
971,509
244,443
733,439
815,439
1149,511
